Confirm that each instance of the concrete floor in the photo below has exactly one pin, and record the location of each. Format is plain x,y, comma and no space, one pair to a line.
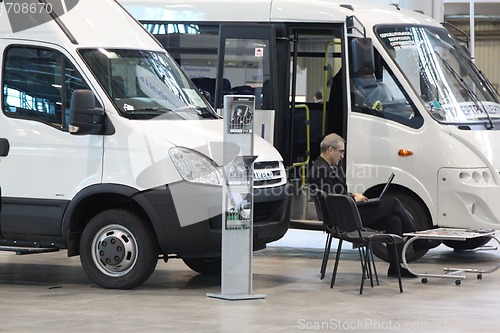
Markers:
51,293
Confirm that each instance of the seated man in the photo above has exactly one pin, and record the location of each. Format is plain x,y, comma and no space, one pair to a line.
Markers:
389,215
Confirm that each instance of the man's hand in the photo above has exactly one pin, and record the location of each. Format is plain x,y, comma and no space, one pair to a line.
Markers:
359,197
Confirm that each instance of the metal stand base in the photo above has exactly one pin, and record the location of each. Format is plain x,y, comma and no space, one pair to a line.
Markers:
237,297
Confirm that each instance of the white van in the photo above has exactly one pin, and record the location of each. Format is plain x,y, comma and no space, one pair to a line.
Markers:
434,121
108,150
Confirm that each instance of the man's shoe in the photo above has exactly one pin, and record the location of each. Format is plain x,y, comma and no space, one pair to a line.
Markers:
405,273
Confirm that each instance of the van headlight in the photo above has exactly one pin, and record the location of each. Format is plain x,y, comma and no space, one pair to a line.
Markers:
195,167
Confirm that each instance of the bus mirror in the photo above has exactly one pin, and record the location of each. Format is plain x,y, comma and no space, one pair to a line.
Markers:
349,22
362,58
84,117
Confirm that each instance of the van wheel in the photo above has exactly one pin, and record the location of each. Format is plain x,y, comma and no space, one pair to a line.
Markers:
211,266
421,218
118,250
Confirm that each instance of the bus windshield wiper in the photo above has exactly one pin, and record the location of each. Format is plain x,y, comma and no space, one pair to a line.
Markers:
479,105
480,74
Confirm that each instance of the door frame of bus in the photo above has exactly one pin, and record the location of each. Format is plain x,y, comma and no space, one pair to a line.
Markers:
248,31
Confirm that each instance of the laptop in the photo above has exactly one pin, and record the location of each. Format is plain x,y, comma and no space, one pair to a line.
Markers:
377,199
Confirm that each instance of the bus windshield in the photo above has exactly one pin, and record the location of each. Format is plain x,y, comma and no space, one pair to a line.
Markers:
146,85
450,85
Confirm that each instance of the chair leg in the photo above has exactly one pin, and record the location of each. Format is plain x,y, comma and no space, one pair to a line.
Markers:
369,257
396,256
336,265
361,250
365,269
374,268
326,255
362,255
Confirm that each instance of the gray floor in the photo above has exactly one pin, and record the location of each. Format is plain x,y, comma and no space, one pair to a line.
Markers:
51,293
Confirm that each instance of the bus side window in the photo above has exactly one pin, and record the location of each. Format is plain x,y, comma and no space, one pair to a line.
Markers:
381,95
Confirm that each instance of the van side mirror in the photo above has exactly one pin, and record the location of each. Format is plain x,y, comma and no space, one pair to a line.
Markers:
206,95
84,117
362,57
4,147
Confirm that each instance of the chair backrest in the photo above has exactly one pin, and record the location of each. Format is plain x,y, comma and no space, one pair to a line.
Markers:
345,213
322,209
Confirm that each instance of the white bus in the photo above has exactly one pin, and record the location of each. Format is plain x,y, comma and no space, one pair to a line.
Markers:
429,115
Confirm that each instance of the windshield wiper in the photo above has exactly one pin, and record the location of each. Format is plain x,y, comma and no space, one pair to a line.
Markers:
481,75
150,109
469,91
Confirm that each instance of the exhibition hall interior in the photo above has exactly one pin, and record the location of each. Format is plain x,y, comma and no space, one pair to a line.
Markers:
250,166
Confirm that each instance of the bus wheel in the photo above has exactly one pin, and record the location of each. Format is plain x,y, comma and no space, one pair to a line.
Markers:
118,250
468,244
422,221
210,266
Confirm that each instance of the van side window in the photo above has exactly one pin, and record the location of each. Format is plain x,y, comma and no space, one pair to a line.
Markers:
37,85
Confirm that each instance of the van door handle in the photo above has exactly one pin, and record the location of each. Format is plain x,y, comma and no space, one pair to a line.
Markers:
4,147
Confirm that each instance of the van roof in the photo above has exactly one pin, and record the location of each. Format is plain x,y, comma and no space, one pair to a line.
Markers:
92,23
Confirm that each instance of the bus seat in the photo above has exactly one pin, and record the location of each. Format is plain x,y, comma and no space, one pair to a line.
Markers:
205,84
243,90
118,89
208,84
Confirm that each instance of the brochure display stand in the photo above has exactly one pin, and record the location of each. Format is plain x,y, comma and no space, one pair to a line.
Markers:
449,234
237,200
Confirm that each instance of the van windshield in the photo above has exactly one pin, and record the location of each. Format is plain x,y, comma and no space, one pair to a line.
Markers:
441,72
146,85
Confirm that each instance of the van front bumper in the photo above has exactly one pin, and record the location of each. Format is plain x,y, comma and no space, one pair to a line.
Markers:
187,217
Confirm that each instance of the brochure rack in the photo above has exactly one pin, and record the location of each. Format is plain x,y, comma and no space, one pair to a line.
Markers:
237,199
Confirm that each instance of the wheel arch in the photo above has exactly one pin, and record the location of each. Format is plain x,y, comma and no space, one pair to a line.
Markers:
416,206
97,198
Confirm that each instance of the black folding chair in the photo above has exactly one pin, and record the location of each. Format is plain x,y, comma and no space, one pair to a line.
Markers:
328,227
331,230
349,227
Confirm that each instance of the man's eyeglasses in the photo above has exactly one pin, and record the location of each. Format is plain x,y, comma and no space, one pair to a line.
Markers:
342,151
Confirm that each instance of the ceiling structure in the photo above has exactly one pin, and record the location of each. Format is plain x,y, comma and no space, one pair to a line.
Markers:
461,9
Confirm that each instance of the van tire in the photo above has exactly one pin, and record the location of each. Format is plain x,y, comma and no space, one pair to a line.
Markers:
209,266
118,250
